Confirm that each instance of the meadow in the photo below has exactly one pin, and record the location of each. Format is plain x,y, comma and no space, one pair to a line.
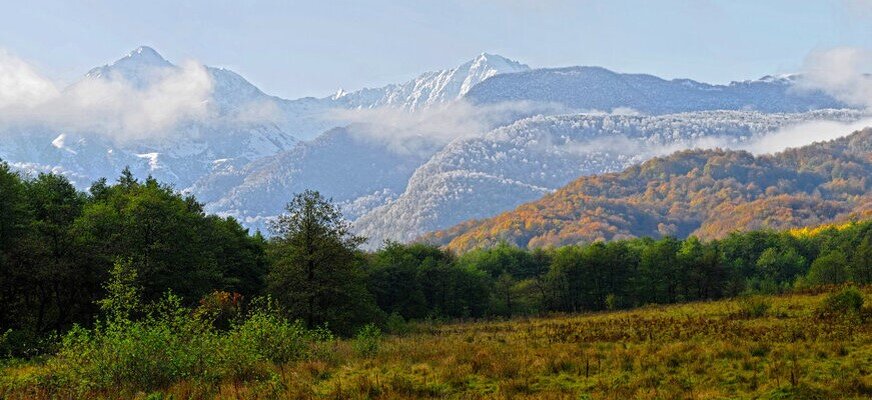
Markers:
811,345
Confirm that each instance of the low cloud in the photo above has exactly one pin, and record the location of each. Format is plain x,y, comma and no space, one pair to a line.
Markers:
842,72
21,85
425,130
109,106
804,134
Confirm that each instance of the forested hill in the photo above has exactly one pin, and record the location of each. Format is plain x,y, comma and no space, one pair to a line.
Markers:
706,193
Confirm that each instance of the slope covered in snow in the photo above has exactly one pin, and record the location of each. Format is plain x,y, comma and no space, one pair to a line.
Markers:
432,88
478,177
595,88
348,167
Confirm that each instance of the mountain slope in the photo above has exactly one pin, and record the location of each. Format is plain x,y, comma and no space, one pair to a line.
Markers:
481,176
341,163
150,139
707,193
233,123
432,88
595,88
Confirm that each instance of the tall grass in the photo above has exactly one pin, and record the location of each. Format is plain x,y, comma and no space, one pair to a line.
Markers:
791,350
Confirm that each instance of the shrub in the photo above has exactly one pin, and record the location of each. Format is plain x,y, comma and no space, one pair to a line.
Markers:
221,307
396,324
753,306
367,341
847,302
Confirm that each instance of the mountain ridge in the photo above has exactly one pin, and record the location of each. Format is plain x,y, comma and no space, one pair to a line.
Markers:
706,193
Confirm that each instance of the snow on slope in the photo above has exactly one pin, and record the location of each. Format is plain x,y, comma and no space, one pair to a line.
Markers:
343,165
481,176
596,88
242,124
432,88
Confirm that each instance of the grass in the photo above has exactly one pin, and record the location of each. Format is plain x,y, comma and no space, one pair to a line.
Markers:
708,350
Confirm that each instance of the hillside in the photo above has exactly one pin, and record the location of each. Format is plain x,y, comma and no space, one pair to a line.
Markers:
596,88
708,350
187,122
706,193
481,176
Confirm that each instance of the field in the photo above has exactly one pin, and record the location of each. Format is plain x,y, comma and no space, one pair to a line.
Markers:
777,347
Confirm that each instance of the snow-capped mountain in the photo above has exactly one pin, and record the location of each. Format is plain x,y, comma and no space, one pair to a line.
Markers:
479,177
342,164
243,152
432,88
595,88
234,124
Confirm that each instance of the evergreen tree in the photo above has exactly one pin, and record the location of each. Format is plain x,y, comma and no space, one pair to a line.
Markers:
315,273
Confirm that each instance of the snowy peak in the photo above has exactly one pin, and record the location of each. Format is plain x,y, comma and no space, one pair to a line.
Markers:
432,88
485,66
497,63
138,67
143,54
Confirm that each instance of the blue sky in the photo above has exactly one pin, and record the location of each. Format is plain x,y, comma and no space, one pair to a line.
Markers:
299,48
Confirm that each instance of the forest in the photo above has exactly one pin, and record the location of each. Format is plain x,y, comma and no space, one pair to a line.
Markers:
703,193
130,287
59,248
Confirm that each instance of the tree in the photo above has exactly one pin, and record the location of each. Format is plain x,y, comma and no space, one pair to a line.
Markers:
315,273
63,282
828,269
705,271
15,220
861,267
780,265
395,278
661,272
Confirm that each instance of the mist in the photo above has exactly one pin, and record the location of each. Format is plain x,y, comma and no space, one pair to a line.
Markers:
842,72
106,106
424,130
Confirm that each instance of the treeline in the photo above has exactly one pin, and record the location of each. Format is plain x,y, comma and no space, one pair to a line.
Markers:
58,246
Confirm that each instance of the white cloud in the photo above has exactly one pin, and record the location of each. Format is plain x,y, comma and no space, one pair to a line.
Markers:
804,134
110,106
425,129
20,84
842,72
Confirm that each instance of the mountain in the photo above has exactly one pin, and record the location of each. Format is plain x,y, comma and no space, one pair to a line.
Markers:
432,88
175,151
707,193
595,88
245,152
308,117
343,164
237,125
481,176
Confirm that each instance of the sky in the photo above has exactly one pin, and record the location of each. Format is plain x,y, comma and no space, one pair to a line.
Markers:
301,48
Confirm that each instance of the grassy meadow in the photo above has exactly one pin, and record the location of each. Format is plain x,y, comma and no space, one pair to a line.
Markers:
793,346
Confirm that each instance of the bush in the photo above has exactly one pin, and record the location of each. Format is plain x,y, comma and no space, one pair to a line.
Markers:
368,341
753,306
26,344
173,343
397,325
847,302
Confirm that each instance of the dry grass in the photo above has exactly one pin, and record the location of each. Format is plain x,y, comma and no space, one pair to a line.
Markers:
693,351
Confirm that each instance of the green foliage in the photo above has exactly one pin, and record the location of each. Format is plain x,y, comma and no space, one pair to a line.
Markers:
122,294
397,325
828,269
172,343
58,246
368,341
315,274
679,351
754,306
845,303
